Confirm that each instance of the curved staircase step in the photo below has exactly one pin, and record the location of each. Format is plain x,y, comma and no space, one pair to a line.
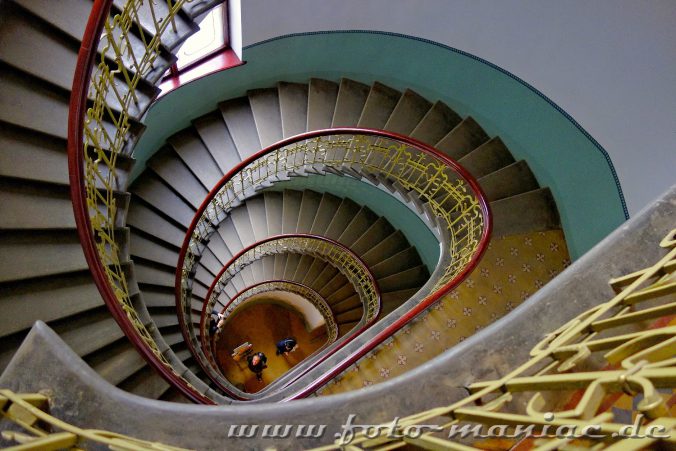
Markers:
241,125
291,204
408,113
527,212
460,141
168,167
511,180
215,136
488,157
349,103
379,105
321,103
267,116
293,105
438,121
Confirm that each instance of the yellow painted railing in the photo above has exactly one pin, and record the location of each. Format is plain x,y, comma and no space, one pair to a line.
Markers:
559,398
45,432
104,105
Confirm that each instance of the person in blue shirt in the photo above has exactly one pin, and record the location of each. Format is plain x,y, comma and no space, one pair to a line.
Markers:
286,345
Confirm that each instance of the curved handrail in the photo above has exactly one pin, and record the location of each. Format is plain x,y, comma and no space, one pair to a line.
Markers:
90,144
325,248
471,208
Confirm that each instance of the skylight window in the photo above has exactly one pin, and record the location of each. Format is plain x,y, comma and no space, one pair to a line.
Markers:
209,38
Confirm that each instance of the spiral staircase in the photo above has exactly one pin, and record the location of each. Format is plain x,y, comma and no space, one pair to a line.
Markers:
42,262
44,275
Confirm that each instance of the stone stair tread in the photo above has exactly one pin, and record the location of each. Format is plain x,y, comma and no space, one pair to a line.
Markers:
50,298
349,103
345,213
35,254
196,157
358,226
241,125
273,211
404,259
464,138
293,105
256,208
157,194
511,180
35,206
240,219
322,95
308,210
291,204
119,361
174,173
146,219
217,139
385,248
379,105
412,277
327,209
533,211
408,113
228,233
267,116
380,230
488,157
436,123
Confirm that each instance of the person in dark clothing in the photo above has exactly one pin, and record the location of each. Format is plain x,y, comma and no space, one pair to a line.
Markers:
286,345
212,326
257,363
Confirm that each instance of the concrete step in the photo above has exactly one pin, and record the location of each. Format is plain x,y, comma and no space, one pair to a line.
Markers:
273,212
325,213
322,95
291,203
358,226
380,230
464,138
393,299
379,105
216,138
308,210
147,219
398,262
169,167
349,103
228,233
410,278
438,121
509,181
240,219
35,205
267,116
488,157
385,248
342,217
241,125
117,361
156,193
533,211
192,151
256,208
293,102
408,113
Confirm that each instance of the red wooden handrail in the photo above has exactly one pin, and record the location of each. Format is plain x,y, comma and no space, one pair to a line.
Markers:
401,321
202,324
78,105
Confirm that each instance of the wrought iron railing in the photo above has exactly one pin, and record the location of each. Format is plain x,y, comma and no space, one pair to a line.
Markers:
103,108
330,251
434,182
570,386
42,431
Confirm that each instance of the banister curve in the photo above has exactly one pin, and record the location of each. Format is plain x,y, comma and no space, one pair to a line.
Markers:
76,158
438,291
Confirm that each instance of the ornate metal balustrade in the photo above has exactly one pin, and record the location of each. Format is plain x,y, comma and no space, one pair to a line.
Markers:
330,251
99,137
44,432
432,180
288,287
570,387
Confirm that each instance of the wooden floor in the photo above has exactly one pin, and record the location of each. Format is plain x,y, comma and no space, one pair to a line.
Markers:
263,325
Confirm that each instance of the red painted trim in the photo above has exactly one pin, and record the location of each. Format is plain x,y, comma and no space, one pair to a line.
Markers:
217,61
78,105
408,316
202,323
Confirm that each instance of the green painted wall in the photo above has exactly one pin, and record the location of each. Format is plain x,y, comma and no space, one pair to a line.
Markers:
560,153
383,204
